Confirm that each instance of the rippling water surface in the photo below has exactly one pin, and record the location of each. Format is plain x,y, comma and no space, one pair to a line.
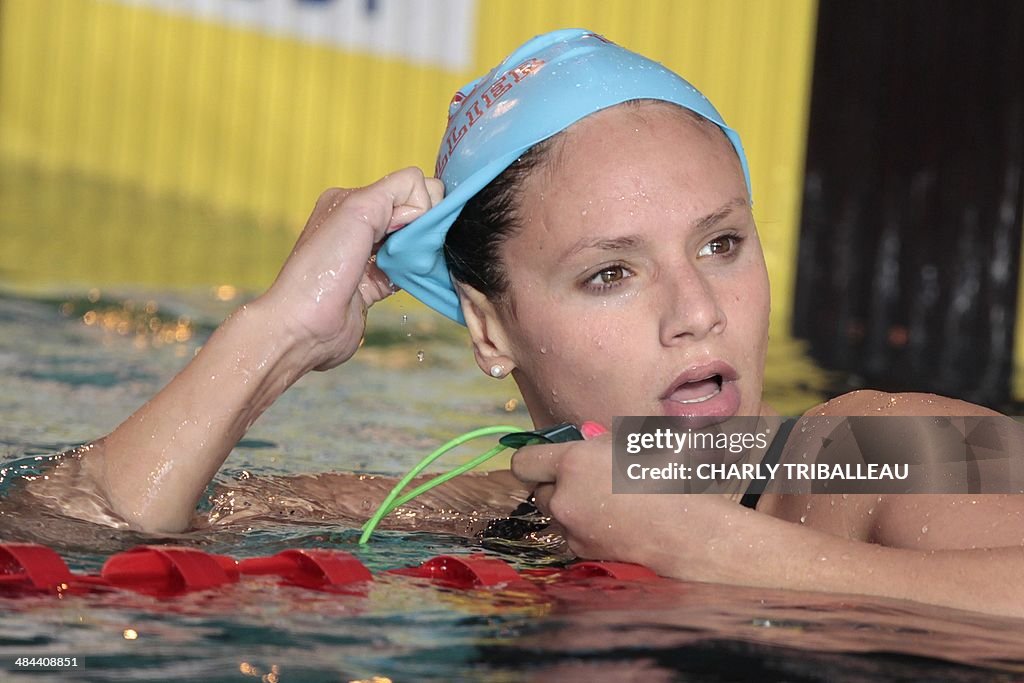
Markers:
73,365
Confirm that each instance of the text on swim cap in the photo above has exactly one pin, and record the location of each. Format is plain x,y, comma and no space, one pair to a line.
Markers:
480,100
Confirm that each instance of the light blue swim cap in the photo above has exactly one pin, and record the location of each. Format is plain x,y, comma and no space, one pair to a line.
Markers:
541,89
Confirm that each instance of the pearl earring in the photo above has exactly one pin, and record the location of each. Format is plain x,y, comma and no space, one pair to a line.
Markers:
497,371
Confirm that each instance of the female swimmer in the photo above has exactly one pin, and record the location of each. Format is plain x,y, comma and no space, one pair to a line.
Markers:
595,216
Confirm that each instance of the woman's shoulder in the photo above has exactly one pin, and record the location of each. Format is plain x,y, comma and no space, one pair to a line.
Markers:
898,520
872,402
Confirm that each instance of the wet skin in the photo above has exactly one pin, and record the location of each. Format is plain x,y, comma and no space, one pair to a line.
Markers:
638,285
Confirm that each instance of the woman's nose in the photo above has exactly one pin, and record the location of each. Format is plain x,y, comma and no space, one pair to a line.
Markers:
690,307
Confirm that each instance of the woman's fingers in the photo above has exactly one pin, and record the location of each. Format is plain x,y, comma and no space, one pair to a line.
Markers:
412,201
536,464
375,285
435,188
416,195
545,462
395,200
537,467
542,497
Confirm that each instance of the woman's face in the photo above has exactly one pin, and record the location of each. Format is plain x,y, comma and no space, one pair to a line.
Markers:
637,282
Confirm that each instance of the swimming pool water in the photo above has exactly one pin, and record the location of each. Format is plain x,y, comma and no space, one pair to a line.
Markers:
72,365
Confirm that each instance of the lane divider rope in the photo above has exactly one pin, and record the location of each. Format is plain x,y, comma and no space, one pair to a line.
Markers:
163,571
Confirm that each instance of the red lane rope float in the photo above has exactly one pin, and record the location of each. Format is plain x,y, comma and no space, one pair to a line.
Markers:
169,570
473,571
26,566
311,568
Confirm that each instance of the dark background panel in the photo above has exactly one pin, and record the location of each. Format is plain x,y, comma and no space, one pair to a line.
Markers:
912,211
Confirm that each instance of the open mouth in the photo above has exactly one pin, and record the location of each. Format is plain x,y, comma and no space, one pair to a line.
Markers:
704,391
697,391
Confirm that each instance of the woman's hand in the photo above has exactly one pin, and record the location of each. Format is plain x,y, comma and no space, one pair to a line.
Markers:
330,279
674,535
707,537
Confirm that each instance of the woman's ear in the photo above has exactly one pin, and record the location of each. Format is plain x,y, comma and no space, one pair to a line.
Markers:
491,346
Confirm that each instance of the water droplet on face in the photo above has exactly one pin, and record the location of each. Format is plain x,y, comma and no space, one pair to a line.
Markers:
543,349
420,356
803,518
924,529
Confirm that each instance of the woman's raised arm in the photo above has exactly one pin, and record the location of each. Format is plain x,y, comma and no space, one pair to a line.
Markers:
152,469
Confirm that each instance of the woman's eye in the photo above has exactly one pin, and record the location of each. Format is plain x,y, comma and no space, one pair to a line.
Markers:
720,246
609,276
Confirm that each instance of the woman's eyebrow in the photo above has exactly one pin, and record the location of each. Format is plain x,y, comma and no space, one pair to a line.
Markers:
633,241
607,243
715,217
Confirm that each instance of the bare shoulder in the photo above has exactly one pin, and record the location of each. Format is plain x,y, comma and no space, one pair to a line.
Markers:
921,521
871,402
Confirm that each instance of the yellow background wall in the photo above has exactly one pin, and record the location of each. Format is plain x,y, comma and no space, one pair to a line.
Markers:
254,126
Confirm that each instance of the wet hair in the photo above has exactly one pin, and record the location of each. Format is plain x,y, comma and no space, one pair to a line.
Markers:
487,220
492,216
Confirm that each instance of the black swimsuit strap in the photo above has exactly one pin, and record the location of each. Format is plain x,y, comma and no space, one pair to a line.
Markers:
756,488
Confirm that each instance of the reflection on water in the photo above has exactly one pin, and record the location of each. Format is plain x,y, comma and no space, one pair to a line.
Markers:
64,380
